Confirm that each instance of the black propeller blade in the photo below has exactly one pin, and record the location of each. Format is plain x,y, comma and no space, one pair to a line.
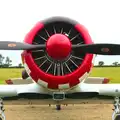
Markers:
7,45
101,49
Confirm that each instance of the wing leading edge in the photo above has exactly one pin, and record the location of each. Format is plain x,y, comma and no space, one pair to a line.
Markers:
101,89
15,90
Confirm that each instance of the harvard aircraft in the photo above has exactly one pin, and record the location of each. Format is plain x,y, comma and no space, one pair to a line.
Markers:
58,57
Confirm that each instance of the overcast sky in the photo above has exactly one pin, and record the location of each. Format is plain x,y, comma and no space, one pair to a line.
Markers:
100,17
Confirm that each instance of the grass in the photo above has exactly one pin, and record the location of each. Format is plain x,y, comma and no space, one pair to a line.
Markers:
113,73
110,72
6,73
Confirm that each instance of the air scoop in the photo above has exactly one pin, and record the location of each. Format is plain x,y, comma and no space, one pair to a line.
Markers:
58,46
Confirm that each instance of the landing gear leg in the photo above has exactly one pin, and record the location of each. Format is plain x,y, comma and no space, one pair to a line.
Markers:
2,115
116,110
58,107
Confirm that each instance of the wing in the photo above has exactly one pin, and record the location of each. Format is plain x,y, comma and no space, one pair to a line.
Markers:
93,93
23,90
96,80
18,81
101,89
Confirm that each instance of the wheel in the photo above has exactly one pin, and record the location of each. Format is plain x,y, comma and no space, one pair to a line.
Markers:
24,74
58,107
117,117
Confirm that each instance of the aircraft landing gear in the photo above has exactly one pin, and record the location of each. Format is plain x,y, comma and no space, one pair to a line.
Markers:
58,107
2,115
58,96
116,110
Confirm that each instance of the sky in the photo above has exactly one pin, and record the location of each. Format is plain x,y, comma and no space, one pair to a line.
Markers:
100,17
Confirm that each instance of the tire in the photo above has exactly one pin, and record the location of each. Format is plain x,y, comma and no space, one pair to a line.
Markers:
24,74
117,117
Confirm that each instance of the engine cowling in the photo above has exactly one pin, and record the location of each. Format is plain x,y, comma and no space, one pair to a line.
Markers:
57,66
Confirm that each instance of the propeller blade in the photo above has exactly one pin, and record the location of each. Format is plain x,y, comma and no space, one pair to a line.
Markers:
101,49
7,45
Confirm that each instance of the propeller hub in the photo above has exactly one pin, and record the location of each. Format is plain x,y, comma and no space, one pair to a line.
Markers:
58,46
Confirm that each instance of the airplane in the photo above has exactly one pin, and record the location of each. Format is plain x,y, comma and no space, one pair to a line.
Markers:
58,55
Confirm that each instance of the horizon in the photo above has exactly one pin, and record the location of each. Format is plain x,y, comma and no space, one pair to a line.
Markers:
101,18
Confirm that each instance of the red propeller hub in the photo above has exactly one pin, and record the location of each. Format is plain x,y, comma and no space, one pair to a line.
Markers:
58,46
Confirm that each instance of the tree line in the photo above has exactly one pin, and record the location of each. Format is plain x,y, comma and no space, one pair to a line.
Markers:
6,62
101,63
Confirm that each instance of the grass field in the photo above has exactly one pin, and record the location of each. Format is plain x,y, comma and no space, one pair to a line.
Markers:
110,72
76,112
113,73
6,73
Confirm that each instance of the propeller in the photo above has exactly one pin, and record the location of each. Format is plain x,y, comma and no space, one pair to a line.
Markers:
101,49
7,45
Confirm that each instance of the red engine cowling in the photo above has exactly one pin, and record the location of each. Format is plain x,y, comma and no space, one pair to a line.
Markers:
57,66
